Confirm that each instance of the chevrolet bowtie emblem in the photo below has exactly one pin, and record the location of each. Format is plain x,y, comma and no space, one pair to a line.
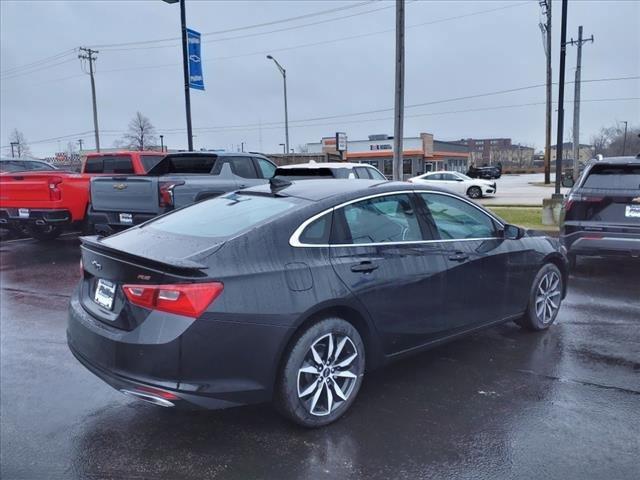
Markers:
120,186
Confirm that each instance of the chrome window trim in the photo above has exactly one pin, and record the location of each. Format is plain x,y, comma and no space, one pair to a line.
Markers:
294,240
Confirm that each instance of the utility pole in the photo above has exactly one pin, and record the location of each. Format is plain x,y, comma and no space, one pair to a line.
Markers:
286,111
185,68
563,55
80,143
90,55
546,30
13,144
576,102
399,94
162,143
624,141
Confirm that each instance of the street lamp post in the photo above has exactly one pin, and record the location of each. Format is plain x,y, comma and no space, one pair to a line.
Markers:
284,148
14,144
624,140
162,143
185,67
286,114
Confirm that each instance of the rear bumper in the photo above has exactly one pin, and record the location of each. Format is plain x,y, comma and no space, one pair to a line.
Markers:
11,216
194,363
604,244
107,223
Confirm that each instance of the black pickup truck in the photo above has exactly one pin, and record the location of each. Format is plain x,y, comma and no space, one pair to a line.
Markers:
178,180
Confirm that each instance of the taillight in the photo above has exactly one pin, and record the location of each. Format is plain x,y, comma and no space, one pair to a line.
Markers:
54,192
188,299
576,197
165,189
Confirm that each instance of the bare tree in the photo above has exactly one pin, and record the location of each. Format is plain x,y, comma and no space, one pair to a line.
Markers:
141,134
18,145
303,148
610,141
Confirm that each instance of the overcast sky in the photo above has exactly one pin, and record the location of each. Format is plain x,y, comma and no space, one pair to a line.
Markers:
335,76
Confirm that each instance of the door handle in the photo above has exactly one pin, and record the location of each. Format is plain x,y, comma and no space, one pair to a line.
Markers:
364,267
459,257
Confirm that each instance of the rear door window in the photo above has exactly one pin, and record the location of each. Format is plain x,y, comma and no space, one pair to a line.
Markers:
390,218
614,177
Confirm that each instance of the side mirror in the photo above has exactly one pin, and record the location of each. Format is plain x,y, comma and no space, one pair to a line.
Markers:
512,232
567,182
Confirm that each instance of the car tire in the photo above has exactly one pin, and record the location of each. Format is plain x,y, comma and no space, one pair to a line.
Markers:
44,233
545,299
474,192
321,373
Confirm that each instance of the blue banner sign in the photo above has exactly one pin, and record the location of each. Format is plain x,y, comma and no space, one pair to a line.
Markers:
196,80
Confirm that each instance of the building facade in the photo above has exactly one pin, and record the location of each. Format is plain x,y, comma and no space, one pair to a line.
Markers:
491,151
420,154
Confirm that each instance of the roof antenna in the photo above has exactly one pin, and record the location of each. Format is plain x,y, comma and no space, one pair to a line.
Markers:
278,183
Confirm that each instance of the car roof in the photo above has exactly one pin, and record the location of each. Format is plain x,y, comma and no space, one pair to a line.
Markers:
326,165
438,171
9,159
214,154
320,189
615,160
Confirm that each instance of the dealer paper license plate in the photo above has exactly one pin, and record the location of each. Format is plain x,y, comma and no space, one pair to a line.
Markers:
105,293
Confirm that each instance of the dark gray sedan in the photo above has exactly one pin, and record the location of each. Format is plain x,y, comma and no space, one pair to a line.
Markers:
292,291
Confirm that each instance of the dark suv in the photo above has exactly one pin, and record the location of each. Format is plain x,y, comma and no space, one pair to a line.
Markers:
601,215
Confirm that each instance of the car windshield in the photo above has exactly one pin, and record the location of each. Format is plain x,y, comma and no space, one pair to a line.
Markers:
223,217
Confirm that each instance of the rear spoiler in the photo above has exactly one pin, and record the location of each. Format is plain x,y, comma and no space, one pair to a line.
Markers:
94,243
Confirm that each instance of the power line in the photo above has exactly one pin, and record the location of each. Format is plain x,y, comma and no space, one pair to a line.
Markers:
51,58
35,69
433,102
235,29
88,133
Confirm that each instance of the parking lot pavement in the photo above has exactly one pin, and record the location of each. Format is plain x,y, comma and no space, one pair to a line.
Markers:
500,404
518,190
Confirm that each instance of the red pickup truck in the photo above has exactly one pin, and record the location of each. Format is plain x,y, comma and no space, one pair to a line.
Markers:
44,203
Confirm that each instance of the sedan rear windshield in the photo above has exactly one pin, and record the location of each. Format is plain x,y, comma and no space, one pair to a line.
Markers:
223,217
615,177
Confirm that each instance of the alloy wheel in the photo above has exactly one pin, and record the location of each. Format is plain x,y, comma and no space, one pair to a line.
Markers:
548,297
328,373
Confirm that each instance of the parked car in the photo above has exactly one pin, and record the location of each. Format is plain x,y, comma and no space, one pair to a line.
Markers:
24,165
44,203
291,291
488,172
457,182
178,180
601,214
302,171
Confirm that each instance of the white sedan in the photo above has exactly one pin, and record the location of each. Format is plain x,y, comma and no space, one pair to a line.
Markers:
458,183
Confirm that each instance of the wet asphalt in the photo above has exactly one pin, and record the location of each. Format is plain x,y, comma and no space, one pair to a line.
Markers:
502,403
